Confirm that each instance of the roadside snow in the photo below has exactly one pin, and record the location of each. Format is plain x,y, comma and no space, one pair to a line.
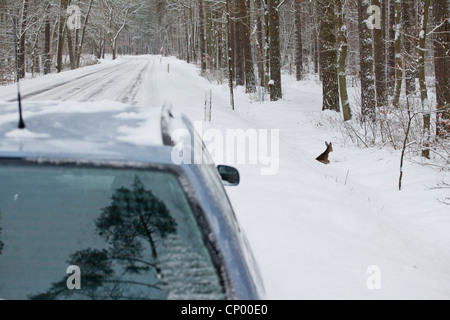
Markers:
324,232
318,232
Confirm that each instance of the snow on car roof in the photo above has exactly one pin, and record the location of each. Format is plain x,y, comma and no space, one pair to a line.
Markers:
96,128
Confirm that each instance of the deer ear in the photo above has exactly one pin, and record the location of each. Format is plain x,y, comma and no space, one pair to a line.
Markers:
326,144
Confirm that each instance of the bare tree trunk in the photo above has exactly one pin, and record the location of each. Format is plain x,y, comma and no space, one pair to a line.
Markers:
316,53
219,44
398,53
328,55
409,52
244,52
250,85
380,63
104,46
259,42
22,48
47,44
230,56
442,62
266,42
315,35
342,60
70,48
299,40
61,31
238,44
275,50
83,35
193,49
202,36
424,7
114,48
186,30
411,115
368,96
391,48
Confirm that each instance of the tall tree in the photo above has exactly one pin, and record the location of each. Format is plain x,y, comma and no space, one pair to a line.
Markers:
47,41
391,47
442,60
275,49
79,48
299,40
380,62
424,8
328,55
398,53
368,96
238,51
266,42
315,36
259,41
343,49
61,31
230,54
201,15
22,38
244,52
71,47
409,42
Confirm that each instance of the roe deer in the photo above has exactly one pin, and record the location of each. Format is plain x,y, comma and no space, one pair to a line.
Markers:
324,156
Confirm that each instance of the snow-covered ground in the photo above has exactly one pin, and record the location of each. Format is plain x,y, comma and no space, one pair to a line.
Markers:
341,231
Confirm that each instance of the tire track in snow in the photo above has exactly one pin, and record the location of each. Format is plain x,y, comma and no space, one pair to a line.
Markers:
135,86
121,82
59,85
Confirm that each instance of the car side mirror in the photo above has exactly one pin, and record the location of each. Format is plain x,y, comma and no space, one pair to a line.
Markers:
230,176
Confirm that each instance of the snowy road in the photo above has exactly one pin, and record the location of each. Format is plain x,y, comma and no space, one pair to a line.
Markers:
121,82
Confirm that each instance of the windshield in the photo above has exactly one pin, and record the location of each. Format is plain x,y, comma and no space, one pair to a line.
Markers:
70,232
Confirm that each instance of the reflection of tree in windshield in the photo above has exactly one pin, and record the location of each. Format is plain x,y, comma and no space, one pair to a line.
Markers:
135,215
132,225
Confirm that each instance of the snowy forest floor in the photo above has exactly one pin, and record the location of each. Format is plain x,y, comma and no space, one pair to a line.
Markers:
317,232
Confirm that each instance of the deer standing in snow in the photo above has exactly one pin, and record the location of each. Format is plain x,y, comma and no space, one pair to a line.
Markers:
324,156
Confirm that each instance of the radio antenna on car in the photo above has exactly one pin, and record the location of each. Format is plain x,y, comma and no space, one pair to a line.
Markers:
19,98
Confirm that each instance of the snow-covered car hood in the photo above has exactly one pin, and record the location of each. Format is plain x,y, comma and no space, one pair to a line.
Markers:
90,128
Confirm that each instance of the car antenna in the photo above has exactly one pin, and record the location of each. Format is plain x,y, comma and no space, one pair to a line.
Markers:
19,98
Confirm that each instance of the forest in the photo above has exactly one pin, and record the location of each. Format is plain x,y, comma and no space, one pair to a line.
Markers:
394,52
